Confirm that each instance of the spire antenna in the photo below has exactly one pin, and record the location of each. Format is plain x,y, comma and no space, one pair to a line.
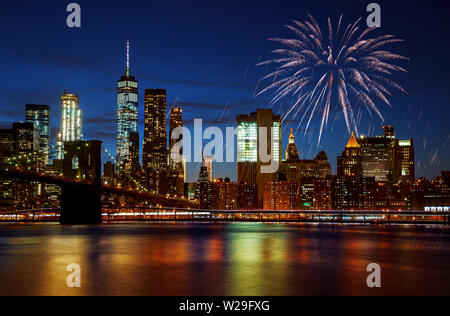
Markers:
128,58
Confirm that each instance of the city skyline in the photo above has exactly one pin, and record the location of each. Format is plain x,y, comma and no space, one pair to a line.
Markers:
185,89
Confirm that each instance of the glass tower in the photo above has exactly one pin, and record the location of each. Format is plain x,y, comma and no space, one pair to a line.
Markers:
39,115
71,122
127,113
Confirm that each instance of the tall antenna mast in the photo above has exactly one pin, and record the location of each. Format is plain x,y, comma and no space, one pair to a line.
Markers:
128,58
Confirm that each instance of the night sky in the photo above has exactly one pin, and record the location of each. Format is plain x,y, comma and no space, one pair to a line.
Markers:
204,54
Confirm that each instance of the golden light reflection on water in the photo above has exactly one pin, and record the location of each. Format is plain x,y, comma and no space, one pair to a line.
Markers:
235,259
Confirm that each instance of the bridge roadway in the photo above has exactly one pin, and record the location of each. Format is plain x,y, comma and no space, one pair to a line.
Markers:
141,214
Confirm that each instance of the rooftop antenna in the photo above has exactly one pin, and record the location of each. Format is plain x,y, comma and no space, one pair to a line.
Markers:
128,58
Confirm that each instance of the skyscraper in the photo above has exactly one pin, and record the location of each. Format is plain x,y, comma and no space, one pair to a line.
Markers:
133,164
155,134
203,192
127,113
71,122
209,163
176,121
39,115
376,157
248,147
26,138
349,164
176,176
403,162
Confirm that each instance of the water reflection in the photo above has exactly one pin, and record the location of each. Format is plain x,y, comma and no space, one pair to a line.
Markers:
212,259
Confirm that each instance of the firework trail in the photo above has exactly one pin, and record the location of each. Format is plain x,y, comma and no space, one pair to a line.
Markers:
347,67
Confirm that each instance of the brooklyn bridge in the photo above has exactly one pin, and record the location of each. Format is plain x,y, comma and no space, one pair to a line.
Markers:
82,187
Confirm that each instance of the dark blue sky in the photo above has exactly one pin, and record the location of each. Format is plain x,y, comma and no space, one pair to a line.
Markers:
203,53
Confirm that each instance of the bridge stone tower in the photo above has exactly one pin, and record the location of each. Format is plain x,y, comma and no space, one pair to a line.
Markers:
81,199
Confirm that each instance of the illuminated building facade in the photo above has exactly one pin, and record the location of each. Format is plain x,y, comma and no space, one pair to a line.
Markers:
26,138
323,194
176,173
133,165
203,191
209,163
248,147
176,121
347,192
403,162
7,145
350,163
71,122
247,196
224,195
297,169
127,113
154,153
155,134
377,155
39,115
276,195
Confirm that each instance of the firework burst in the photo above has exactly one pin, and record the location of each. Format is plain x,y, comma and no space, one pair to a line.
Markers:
347,68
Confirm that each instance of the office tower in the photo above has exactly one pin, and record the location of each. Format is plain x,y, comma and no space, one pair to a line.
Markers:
368,193
127,113
7,146
155,134
26,138
323,194
224,195
247,196
248,148
307,193
203,192
209,163
376,157
176,121
297,169
7,143
176,174
276,196
347,192
133,164
39,115
349,164
71,122
403,161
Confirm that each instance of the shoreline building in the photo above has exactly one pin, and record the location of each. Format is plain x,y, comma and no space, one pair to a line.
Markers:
39,115
248,148
71,122
127,115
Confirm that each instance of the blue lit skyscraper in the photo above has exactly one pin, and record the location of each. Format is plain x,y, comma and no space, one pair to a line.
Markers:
127,113
71,122
39,115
